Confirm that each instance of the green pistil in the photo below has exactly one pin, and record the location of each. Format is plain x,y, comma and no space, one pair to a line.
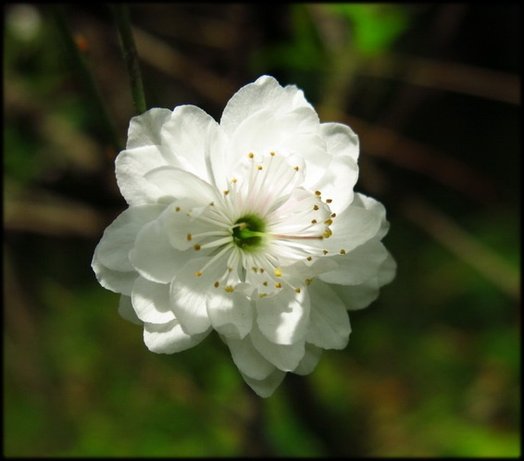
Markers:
248,232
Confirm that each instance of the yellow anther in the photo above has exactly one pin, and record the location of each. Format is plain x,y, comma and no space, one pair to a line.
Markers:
197,247
251,155
277,272
296,168
189,237
297,290
314,221
327,233
329,200
226,192
229,289
333,215
272,154
233,180
308,281
212,204
262,295
342,251
216,285
264,283
261,270
315,207
309,258
254,269
177,209
318,193
325,252
198,274
328,221
259,167
278,285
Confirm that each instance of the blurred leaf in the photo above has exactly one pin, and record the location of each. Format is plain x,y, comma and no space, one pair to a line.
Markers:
374,27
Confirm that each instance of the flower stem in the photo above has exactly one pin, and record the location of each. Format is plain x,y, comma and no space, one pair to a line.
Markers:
121,13
78,60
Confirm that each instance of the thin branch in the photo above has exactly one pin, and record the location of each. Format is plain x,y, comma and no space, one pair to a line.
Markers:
80,63
447,76
159,54
121,13
463,245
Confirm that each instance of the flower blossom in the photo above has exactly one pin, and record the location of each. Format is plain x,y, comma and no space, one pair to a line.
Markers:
249,227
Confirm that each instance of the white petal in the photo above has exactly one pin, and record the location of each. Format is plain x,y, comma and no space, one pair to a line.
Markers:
265,388
154,257
131,167
283,318
337,183
151,301
360,296
193,139
247,359
329,322
119,237
352,228
175,183
264,93
310,360
266,131
144,129
376,207
119,282
387,271
126,311
284,357
340,139
358,265
169,338
231,314
357,297
190,293
312,148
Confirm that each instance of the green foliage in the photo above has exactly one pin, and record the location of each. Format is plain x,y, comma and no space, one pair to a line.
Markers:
373,27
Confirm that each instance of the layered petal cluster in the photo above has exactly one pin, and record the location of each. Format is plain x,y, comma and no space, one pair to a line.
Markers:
249,227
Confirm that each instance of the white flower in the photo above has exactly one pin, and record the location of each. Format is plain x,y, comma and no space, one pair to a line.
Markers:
249,227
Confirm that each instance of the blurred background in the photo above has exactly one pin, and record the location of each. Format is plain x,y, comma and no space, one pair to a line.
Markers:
432,367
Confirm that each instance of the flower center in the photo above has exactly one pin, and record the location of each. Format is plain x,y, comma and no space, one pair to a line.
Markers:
249,232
